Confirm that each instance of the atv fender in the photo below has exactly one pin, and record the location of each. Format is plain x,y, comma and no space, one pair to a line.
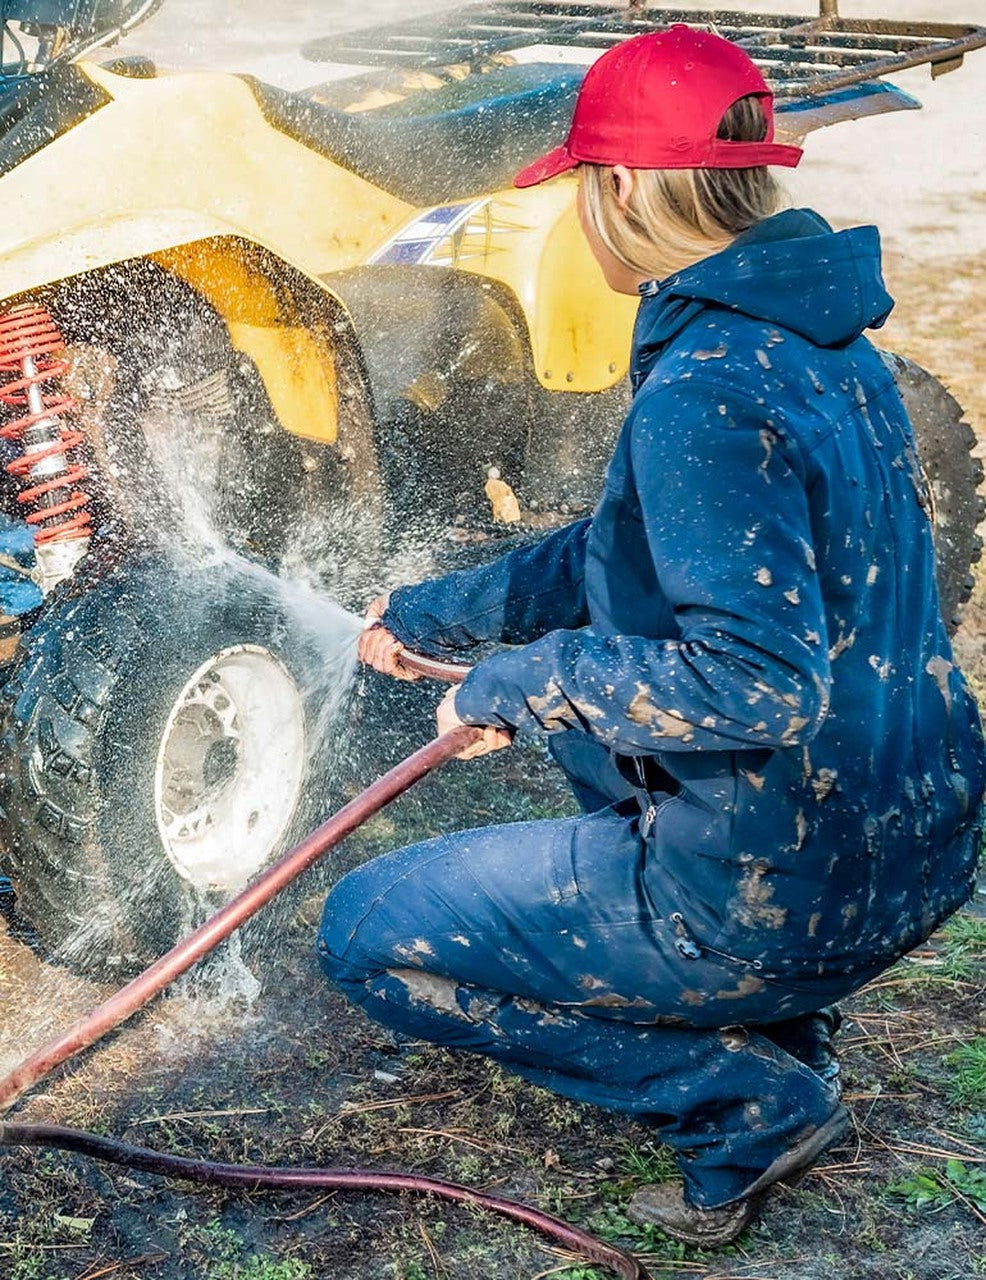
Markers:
419,328
174,162
532,246
580,328
175,159
274,314
447,360
263,305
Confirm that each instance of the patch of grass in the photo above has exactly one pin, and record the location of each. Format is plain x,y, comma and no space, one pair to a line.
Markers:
34,1267
411,1271
963,946
935,1189
225,1255
611,1223
966,1086
220,1242
648,1164
258,1268
953,956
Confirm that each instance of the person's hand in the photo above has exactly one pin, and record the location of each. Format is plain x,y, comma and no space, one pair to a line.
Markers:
493,739
380,648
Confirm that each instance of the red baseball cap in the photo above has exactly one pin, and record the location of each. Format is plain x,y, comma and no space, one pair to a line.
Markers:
656,102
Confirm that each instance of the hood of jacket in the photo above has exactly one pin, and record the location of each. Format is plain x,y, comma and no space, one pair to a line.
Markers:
791,270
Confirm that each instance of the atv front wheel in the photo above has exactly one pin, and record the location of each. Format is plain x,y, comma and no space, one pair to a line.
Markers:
166,735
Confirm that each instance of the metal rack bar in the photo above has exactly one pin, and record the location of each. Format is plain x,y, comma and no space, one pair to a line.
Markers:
803,55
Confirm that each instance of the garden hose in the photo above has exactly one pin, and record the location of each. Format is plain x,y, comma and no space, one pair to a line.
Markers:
206,938
434,668
423,664
254,1177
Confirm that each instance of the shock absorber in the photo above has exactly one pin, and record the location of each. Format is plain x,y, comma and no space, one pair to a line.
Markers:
31,365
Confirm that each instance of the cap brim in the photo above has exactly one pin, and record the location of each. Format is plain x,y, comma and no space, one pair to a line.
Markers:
550,166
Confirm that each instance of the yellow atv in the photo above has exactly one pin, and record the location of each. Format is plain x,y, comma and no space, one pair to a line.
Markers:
252,340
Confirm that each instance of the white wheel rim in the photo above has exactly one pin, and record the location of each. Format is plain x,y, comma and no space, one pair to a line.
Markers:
230,767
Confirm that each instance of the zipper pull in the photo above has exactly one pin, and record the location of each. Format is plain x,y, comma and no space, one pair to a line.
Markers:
684,945
648,820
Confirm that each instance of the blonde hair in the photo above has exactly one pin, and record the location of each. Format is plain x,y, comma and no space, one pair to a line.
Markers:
675,217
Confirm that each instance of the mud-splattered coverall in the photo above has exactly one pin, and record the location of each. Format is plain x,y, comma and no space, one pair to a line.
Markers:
742,665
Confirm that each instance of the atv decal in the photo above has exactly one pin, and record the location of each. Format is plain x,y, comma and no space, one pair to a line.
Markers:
436,237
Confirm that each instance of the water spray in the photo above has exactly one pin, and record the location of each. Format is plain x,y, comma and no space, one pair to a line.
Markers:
132,997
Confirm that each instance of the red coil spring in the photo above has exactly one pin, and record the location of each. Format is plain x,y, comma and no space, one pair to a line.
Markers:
29,342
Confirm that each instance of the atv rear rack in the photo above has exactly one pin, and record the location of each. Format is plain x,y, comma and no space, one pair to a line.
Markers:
800,56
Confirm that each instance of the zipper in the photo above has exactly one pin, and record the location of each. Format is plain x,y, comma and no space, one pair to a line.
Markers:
647,821
686,946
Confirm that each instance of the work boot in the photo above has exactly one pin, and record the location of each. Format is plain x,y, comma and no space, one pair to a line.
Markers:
667,1207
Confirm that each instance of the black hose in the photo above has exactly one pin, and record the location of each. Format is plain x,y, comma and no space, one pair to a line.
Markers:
255,1177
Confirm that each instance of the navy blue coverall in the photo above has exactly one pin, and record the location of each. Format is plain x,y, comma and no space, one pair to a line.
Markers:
742,665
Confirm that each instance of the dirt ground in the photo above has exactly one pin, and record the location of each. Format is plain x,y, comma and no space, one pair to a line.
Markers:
290,1075
293,1076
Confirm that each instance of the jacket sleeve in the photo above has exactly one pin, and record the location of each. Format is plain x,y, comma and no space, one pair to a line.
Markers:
725,510
514,599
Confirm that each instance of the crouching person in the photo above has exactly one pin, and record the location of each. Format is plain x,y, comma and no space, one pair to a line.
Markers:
740,662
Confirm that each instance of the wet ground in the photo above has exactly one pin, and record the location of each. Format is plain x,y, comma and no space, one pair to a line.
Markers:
292,1076
295,1077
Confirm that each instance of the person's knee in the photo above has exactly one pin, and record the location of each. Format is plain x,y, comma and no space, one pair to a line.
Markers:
368,912
346,908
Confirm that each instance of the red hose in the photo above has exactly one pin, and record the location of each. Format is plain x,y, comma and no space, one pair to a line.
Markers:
179,959
434,668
